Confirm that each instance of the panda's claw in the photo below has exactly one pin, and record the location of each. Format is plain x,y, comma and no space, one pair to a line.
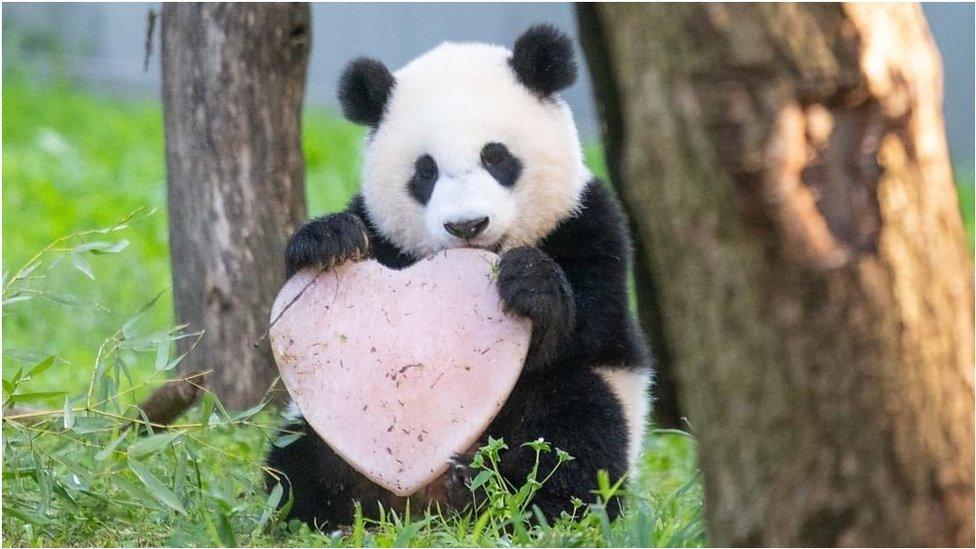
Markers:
327,242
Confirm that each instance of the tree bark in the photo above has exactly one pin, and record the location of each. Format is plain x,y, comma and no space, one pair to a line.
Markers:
786,171
233,85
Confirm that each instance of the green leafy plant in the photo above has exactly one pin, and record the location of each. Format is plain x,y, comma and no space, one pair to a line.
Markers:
504,504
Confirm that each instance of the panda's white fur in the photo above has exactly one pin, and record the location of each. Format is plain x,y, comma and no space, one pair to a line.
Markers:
632,390
449,103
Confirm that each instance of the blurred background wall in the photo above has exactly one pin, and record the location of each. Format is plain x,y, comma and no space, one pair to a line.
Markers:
103,46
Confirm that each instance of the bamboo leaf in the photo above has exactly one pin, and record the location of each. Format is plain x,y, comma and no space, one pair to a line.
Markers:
162,355
85,425
138,492
34,396
82,265
105,247
43,483
69,415
156,488
41,366
152,444
61,490
17,298
286,439
173,363
107,451
127,327
179,472
206,406
271,505
246,414
24,516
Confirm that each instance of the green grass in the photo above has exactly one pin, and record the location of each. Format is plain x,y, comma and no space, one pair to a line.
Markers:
75,161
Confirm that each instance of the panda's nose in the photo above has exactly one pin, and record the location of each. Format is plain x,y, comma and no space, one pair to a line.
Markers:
468,228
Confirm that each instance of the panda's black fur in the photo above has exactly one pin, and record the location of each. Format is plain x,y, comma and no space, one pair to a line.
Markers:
543,61
573,286
363,91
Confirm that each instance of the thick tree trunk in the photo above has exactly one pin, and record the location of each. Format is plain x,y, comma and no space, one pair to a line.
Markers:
233,84
787,173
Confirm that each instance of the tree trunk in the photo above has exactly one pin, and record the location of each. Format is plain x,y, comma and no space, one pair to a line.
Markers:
233,84
786,171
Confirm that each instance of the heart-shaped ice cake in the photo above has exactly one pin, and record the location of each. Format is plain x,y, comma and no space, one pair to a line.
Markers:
399,370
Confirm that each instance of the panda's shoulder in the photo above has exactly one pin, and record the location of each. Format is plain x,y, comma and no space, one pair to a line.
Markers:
599,209
597,225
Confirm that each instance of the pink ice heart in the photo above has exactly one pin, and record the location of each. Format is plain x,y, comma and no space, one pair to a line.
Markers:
399,370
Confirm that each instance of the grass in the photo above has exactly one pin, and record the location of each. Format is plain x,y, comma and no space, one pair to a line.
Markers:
75,161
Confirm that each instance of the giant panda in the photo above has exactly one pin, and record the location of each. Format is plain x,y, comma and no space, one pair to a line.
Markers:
471,145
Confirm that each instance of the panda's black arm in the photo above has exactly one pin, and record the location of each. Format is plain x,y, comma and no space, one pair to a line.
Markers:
326,241
593,250
333,239
532,285
603,332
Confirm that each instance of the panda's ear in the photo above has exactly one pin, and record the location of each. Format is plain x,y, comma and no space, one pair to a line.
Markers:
364,89
543,60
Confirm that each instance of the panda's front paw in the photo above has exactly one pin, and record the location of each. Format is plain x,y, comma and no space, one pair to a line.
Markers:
532,285
327,242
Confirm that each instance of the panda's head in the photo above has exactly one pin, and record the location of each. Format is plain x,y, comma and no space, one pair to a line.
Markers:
470,144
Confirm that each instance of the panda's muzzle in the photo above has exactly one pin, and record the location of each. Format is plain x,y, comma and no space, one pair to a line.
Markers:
467,229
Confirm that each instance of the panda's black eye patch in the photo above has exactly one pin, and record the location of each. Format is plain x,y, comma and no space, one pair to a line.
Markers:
501,164
421,185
